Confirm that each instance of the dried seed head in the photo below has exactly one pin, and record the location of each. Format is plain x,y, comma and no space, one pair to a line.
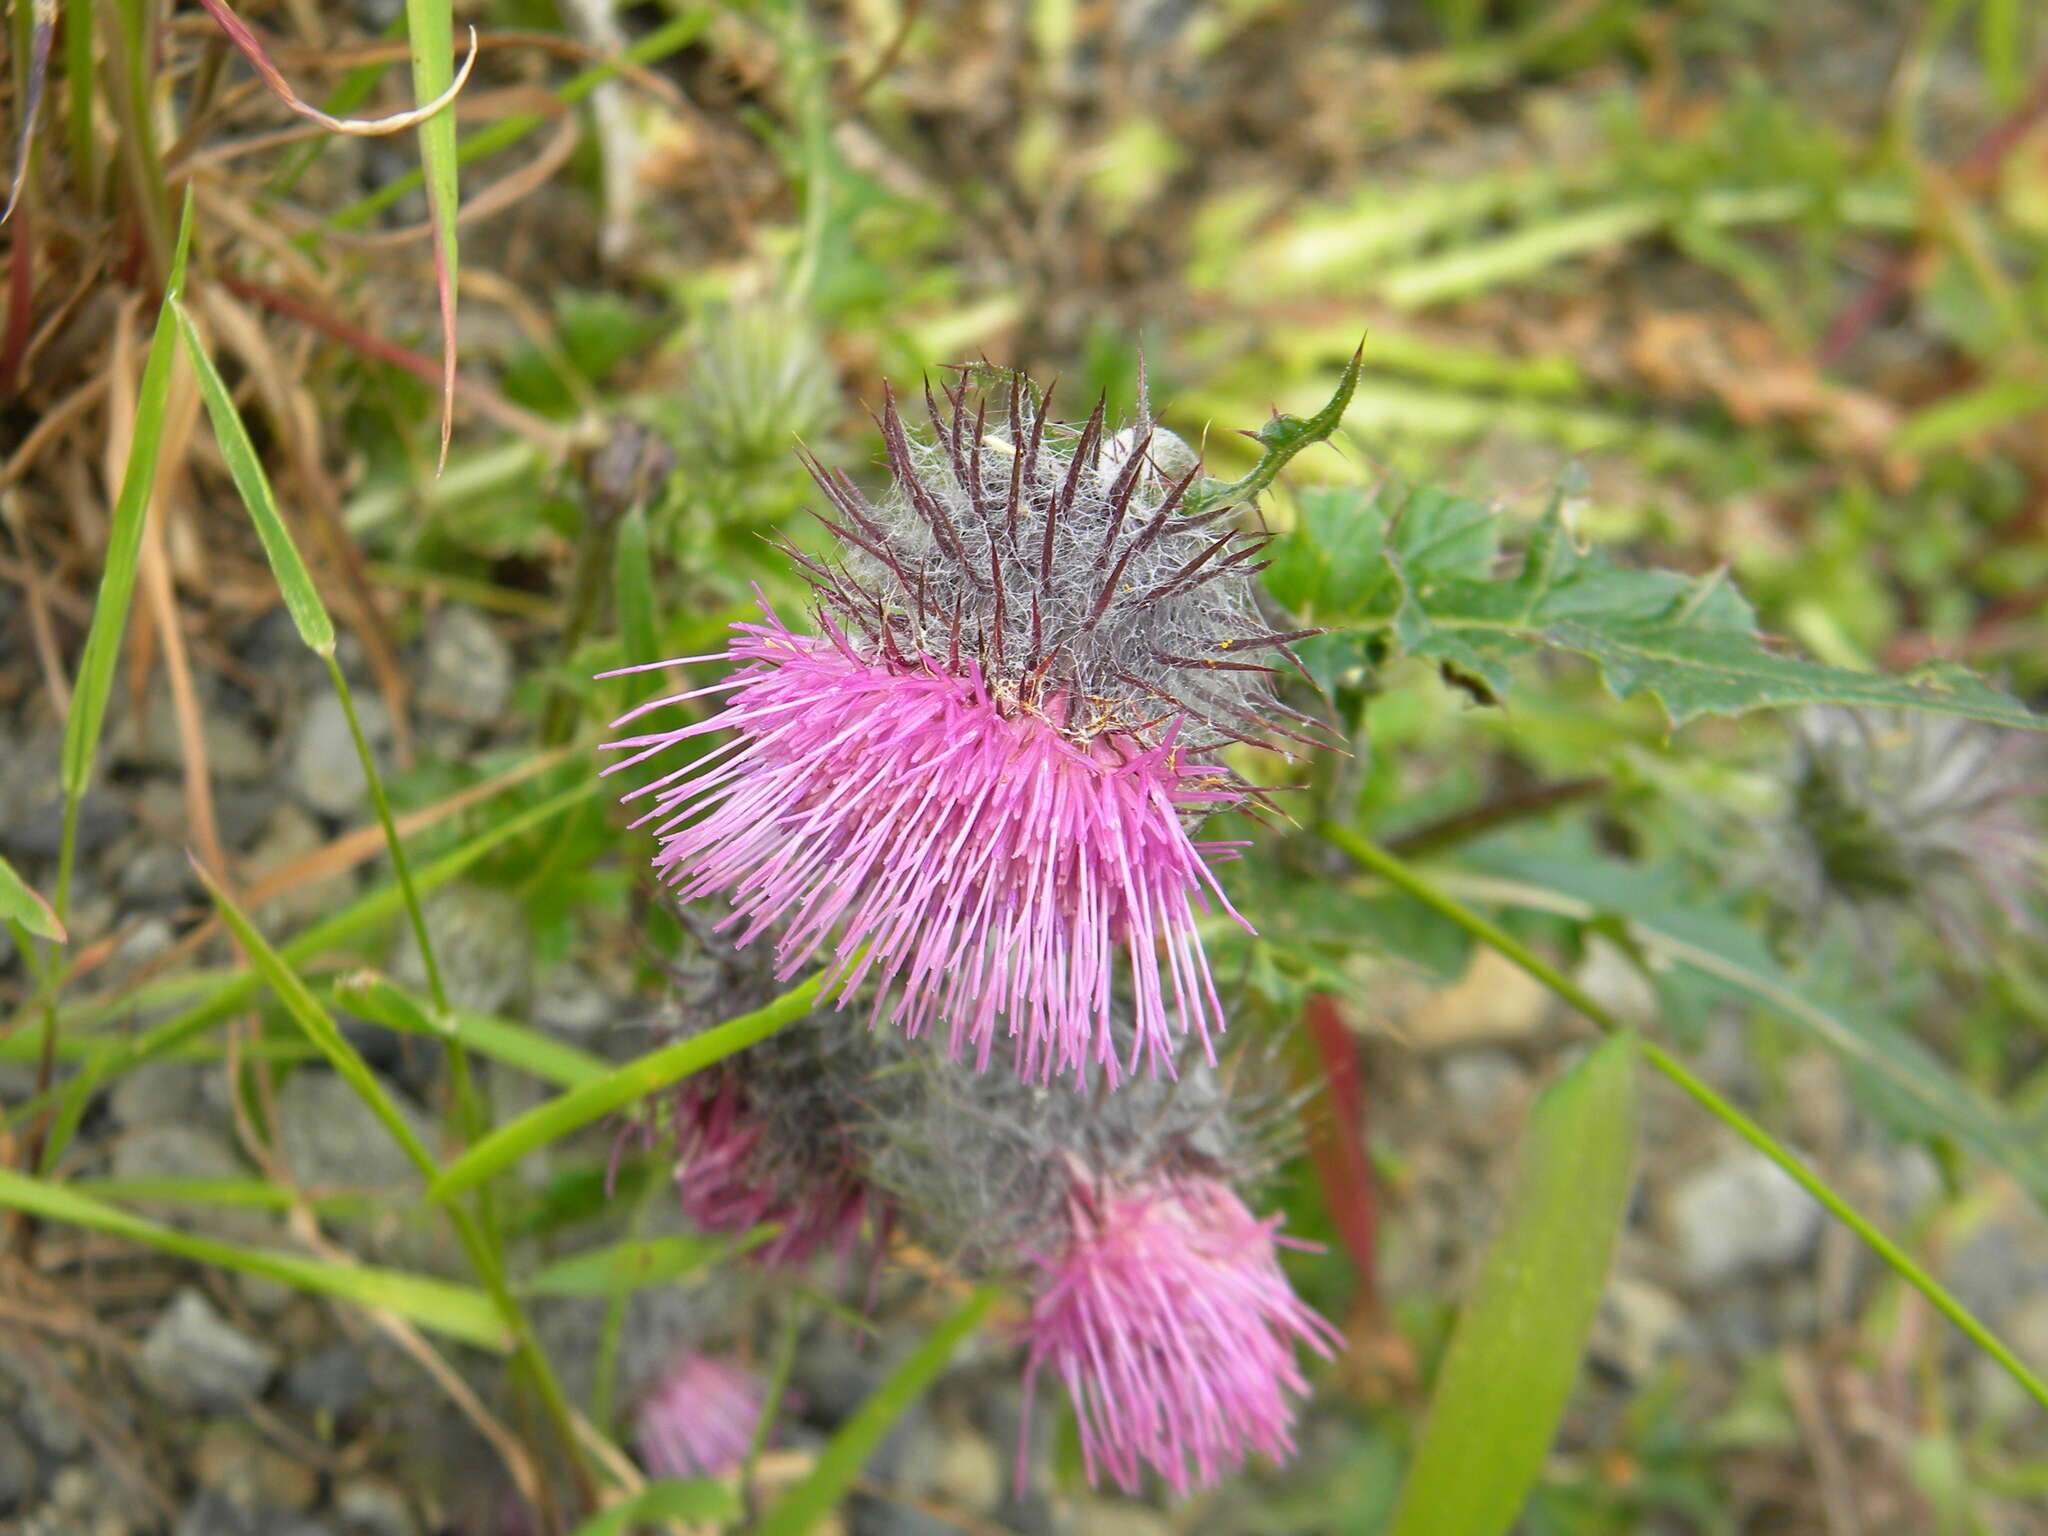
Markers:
1894,812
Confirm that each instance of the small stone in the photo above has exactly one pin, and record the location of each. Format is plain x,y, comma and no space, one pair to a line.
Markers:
234,755
571,1002
19,1474
156,876
333,1141
287,837
213,1513
158,1091
968,1472
173,1149
1495,1002
336,1381
195,1358
1638,1326
326,772
72,1489
1741,1214
483,944
37,831
467,673
369,1506
233,1462
1478,1083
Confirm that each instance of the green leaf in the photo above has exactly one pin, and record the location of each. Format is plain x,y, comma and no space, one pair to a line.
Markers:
430,28
623,1267
124,540
227,997
382,1001
455,1310
301,597
20,904
1515,1355
573,1110
1708,941
1411,572
321,1029
849,1449
699,1502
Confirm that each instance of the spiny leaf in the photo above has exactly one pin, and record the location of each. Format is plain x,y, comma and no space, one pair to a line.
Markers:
1394,571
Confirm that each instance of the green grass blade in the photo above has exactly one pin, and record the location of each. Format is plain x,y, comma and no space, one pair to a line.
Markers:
620,1268
430,28
117,581
301,597
811,1500
321,1029
697,1502
232,995
1512,1362
633,592
455,1310
382,1001
19,903
625,1085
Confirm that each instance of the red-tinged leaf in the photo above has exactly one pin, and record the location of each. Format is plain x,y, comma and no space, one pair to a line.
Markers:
1335,1122
251,48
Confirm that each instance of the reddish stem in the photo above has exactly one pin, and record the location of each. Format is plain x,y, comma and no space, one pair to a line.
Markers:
1335,1122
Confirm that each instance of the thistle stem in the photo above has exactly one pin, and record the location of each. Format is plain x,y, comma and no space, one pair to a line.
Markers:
1409,881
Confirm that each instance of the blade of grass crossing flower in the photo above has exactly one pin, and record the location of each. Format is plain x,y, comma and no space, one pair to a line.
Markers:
430,28
455,1310
629,1266
571,1111
811,1500
301,597
20,904
1371,856
95,679
1515,1355
699,1502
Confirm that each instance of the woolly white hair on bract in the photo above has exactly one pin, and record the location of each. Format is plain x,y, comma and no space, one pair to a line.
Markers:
977,787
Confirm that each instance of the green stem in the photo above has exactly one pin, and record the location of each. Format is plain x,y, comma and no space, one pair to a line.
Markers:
1398,874
481,1237
777,1389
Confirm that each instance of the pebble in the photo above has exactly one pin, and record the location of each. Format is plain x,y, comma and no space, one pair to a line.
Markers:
233,1462
234,754
156,875
467,668
1495,1002
336,1381
333,1141
370,1506
158,1091
327,775
20,1476
195,1358
571,1002
288,836
1741,1214
1479,1082
484,946
1638,1326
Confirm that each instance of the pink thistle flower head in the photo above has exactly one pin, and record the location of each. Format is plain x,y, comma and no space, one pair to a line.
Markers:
698,1418
976,787
1167,1315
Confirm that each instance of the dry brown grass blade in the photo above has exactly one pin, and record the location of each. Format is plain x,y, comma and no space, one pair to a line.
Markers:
43,632
501,194
485,401
252,49
155,571
51,425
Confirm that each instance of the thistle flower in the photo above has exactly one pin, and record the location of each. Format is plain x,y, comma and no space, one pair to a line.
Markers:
1894,812
976,786
698,1419
1167,1315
